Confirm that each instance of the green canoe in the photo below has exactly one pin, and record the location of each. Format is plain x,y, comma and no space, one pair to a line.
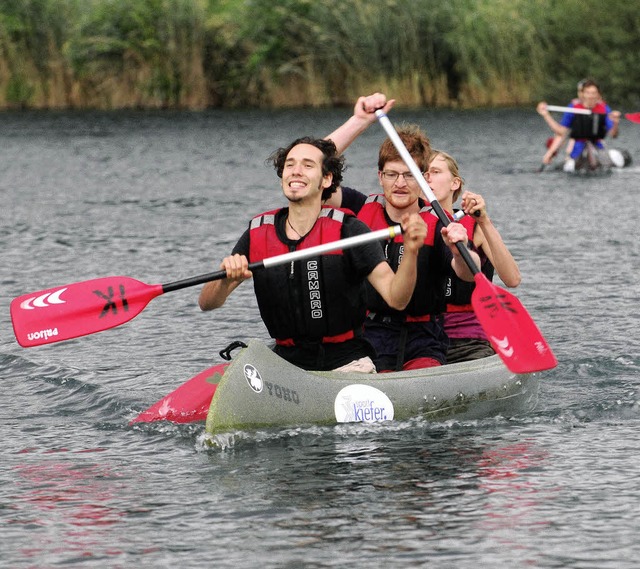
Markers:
260,389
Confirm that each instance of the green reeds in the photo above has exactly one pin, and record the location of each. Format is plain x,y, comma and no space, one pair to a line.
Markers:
33,71
146,53
203,53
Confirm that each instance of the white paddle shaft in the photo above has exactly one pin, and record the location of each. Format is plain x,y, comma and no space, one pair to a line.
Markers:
388,233
569,110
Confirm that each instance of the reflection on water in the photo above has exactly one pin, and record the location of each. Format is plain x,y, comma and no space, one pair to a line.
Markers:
514,496
66,506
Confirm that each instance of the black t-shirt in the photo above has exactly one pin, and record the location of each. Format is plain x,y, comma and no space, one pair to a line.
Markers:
352,199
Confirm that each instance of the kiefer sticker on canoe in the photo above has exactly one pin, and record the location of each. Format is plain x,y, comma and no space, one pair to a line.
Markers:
362,404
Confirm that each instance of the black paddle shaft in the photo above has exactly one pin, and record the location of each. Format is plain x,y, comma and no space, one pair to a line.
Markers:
202,279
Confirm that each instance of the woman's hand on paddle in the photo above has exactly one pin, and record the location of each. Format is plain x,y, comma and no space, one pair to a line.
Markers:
414,232
474,204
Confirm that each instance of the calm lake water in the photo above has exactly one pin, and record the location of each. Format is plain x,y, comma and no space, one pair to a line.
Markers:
164,196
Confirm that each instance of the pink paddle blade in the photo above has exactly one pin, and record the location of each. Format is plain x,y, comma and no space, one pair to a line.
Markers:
189,403
77,309
633,117
510,329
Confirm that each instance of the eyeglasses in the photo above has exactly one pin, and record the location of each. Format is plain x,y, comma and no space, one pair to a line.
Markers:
393,176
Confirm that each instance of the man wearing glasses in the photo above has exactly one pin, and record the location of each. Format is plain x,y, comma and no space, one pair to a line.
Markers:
414,337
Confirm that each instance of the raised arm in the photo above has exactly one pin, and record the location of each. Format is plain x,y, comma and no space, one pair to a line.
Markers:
554,125
363,116
555,145
489,239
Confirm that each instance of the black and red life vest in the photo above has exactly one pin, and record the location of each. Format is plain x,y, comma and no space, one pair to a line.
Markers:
590,127
311,300
428,298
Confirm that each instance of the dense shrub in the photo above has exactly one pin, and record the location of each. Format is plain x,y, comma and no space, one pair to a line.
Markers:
202,53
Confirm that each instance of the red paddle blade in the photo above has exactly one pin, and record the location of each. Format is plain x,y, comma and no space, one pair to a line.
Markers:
633,117
511,331
189,403
78,309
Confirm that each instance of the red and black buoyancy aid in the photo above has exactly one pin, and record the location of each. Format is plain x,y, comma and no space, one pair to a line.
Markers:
428,298
591,127
458,292
311,300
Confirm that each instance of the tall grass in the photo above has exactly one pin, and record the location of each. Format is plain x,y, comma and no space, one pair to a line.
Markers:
423,51
146,53
202,53
597,39
33,71
509,67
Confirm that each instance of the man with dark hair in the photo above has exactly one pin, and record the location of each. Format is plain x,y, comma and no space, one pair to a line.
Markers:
323,330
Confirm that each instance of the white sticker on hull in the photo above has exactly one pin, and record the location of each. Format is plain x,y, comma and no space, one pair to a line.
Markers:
362,404
253,377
